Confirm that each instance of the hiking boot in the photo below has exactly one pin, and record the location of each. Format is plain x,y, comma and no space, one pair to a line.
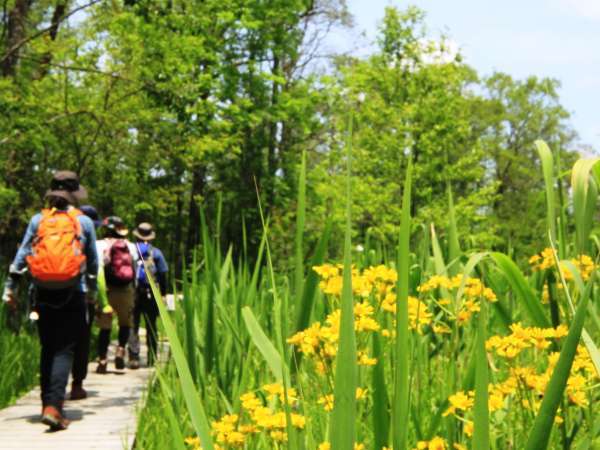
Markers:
120,358
54,419
134,364
77,391
102,367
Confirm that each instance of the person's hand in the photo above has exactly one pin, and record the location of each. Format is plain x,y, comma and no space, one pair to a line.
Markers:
9,299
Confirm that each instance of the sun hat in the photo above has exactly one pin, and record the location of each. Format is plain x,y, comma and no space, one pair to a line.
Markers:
144,232
116,225
91,212
65,184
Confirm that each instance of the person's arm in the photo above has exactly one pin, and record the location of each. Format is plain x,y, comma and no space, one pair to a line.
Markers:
91,255
19,264
161,271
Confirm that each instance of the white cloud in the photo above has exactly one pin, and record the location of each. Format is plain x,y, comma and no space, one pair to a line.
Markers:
590,9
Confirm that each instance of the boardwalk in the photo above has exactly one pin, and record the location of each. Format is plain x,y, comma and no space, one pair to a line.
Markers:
105,420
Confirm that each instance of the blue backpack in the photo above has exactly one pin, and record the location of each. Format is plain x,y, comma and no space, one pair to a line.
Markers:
146,253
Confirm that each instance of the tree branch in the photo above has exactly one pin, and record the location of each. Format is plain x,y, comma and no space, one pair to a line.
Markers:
43,31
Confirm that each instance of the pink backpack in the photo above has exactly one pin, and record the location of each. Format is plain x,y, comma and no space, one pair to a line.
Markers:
118,267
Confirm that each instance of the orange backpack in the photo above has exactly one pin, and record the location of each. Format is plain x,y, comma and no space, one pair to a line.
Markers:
57,258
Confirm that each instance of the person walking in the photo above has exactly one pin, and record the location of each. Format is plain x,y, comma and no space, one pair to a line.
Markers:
82,347
59,251
118,259
145,303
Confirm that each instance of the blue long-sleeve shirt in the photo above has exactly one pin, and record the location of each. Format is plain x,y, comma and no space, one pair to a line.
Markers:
88,240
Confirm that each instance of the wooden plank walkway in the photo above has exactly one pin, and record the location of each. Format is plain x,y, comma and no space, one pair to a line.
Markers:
106,420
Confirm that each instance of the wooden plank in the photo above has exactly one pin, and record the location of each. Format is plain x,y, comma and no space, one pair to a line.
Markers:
106,420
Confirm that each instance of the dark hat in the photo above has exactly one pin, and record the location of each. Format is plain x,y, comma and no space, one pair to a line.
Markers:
65,184
116,225
91,212
144,232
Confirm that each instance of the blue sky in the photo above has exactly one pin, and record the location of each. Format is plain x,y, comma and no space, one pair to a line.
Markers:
547,38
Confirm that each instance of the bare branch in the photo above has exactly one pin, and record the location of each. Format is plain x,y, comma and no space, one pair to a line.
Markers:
43,31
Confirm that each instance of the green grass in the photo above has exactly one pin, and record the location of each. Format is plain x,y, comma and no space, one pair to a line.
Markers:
230,338
19,363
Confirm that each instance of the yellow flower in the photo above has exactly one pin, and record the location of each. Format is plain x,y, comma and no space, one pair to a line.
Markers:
279,436
468,428
364,360
578,398
459,401
361,393
437,443
327,271
194,442
326,401
250,401
441,328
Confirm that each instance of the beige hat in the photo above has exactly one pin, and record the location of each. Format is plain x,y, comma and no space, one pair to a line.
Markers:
144,232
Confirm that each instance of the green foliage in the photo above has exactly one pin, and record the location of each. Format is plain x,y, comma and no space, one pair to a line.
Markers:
165,108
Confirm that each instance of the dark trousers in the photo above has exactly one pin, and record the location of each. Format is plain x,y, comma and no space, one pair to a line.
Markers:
145,306
82,347
60,326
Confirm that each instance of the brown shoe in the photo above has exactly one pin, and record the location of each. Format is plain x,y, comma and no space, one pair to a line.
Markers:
120,358
102,367
77,391
134,364
54,419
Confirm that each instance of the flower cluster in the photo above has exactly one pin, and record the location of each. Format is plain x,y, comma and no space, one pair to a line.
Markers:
437,443
418,314
473,287
379,279
524,337
473,290
321,340
527,383
327,446
545,260
327,400
258,414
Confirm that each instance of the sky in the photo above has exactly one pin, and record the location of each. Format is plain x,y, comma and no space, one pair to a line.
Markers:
547,38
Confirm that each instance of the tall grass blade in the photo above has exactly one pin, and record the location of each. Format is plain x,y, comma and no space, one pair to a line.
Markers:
583,201
400,405
210,264
263,344
562,216
299,252
381,415
438,257
548,170
539,435
343,426
481,434
178,437
280,330
191,395
312,280
454,251
524,293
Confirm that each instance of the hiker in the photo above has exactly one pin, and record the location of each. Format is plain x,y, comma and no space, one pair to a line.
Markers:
59,251
82,347
145,303
118,257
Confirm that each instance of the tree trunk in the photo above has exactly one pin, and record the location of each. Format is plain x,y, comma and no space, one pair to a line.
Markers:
17,20
57,18
198,184
272,144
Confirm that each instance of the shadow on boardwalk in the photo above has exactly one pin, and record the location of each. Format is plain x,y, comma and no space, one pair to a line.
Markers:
105,420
